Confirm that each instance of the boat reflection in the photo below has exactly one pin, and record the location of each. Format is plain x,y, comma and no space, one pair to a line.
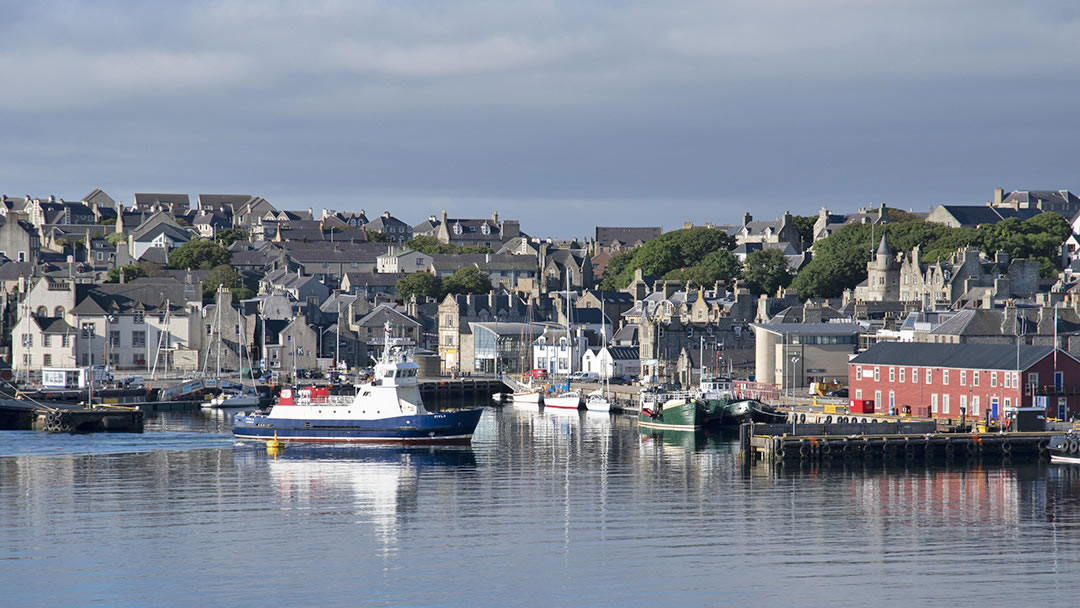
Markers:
381,485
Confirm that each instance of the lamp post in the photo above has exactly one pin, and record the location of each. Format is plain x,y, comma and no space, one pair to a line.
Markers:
794,362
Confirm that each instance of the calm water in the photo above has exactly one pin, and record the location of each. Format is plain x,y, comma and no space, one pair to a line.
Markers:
543,510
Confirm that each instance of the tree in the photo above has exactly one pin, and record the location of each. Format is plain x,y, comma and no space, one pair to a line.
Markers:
766,270
431,246
222,275
719,265
230,235
198,254
671,251
419,284
467,280
115,238
374,236
804,224
131,272
107,221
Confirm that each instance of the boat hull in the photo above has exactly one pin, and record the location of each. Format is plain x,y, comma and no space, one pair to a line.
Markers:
563,403
723,412
443,427
532,397
677,415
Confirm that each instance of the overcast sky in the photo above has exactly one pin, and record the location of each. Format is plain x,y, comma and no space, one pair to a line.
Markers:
563,114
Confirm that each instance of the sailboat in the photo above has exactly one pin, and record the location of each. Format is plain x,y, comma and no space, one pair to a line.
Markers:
245,396
597,401
527,393
568,400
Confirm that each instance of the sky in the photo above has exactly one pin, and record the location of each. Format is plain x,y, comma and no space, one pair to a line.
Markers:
564,115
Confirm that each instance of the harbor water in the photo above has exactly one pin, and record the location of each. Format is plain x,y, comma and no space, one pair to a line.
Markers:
544,509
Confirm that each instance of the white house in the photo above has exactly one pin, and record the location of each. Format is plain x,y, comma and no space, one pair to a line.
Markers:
612,361
403,261
551,351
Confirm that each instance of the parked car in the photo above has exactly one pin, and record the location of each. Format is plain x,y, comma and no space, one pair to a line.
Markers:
537,374
840,392
585,377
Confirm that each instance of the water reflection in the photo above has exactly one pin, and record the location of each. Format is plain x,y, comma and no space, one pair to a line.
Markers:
581,498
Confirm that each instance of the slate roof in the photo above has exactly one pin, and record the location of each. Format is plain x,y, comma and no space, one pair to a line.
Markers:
373,279
977,215
628,333
472,229
145,294
53,325
589,316
810,329
606,235
1056,197
624,353
151,198
963,356
383,313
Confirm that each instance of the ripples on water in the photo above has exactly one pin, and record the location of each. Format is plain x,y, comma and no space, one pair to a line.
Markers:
544,509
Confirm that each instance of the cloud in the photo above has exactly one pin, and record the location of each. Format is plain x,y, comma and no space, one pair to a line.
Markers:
775,102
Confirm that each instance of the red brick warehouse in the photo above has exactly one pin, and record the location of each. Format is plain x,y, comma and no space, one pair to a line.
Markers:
940,379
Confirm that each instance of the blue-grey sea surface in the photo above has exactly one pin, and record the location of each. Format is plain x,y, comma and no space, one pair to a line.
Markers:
544,509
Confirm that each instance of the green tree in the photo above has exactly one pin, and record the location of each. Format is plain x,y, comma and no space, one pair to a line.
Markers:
766,270
222,275
671,251
131,272
230,235
419,284
108,221
431,246
804,224
721,265
198,254
467,280
374,236
115,238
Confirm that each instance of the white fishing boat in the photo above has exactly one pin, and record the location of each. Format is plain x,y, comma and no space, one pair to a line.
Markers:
565,401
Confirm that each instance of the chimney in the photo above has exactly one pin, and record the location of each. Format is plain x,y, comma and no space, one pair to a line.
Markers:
747,218
495,217
999,195
386,214
444,216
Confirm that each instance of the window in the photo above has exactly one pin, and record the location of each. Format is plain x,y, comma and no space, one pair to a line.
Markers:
892,375
945,377
46,360
858,372
65,340
59,312
114,358
1033,378
993,379
877,398
877,374
975,378
929,376
902,371
26,356
975,405
1016,379
945,403
138,359
933,402
963,377
914,375
46,340
138,339
1008,401
139,318
1007,379
114,338
28,340
963,403
858,393
85,359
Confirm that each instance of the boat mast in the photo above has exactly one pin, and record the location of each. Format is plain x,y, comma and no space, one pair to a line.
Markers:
217,311
569,337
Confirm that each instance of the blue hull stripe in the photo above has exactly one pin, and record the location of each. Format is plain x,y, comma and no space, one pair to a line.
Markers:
444,426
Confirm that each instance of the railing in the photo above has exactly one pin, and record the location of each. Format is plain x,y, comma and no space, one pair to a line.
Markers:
1051,389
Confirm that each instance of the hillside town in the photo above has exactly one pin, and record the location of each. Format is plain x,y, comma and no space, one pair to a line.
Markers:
170,285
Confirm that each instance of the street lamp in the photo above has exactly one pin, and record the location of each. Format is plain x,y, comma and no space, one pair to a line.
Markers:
794,362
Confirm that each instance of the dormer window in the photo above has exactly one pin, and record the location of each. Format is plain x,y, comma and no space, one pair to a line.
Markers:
457,228
485,229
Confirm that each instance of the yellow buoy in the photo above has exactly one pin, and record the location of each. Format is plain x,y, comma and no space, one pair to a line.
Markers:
275,443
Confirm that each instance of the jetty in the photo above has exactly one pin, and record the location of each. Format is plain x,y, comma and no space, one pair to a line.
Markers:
907,440
54,417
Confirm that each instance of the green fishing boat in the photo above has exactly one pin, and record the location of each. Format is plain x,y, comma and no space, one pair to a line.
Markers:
673,412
